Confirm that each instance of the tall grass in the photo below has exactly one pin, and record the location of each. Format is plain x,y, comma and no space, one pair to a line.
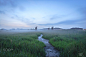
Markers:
21,45
70,43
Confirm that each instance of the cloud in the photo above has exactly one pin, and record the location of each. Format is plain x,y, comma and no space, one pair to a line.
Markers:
13,4
66,22
83,11
22,8
8,2
55,17
59,16
2,12
33,18
0,24
43,17
24,20
27,21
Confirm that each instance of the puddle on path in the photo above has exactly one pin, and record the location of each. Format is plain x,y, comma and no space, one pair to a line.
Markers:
49,49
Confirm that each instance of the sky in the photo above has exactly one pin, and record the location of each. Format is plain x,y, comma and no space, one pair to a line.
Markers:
42,13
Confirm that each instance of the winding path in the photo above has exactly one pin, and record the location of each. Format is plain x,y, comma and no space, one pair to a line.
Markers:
49,49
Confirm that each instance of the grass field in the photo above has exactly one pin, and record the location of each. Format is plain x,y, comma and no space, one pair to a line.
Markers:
21,45
70,43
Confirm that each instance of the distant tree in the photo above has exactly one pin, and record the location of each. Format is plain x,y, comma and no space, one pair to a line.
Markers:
48,28
36,28
52,28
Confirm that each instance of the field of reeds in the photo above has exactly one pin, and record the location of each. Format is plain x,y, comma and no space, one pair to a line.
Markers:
21,45
70,43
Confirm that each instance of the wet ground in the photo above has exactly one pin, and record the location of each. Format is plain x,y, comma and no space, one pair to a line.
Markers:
49,49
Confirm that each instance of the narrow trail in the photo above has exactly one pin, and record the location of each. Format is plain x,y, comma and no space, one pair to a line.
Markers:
49,49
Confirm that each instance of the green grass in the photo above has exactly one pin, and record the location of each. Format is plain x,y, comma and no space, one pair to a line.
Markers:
70,43
21,45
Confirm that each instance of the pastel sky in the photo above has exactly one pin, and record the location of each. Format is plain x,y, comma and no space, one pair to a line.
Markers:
42,13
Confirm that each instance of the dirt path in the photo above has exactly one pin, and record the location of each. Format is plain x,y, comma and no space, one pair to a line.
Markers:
49,49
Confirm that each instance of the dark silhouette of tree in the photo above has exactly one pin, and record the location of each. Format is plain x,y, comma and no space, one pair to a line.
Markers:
48,28
52,28
36,28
